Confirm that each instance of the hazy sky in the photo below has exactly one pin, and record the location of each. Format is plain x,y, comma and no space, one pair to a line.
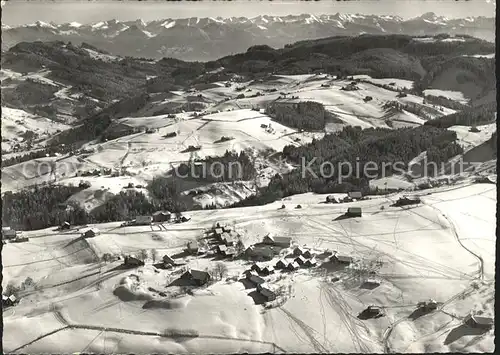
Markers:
17,12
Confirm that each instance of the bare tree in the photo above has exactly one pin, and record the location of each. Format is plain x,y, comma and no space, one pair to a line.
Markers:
219,271
106,257
143,254
154,255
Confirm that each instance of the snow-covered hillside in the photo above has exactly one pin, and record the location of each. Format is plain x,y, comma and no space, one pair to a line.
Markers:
416,252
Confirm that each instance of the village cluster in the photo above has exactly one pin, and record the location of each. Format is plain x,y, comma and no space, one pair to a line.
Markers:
270,258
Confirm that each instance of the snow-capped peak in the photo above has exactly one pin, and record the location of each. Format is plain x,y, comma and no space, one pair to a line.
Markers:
168,24
75,24
41,24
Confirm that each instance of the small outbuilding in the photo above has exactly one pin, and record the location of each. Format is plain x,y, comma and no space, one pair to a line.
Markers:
354,212
8,233
331,199
8,301
65,226
91,233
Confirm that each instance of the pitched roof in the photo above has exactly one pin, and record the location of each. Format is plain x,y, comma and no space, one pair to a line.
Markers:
300,258
222,247
198,274
344,258
257,279
481,320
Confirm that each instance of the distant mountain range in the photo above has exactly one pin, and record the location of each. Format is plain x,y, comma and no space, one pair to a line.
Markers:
202,39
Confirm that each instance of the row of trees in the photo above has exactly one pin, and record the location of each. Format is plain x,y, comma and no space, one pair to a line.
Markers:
469,117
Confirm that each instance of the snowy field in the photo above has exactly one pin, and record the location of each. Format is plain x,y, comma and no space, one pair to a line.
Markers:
418,252
452,95
17,122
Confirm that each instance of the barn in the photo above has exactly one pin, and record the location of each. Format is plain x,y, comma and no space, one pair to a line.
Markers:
197,276
256,280
475,321
283,242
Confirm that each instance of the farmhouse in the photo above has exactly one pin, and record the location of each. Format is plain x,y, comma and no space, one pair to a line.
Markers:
278,241
308,254
8,301
310,263
143,220
354,212
161,216
132,261
300,260
197,276
475,321
8,233
355,194
280,264
267,270
91,233
292,266
298,251
257,267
